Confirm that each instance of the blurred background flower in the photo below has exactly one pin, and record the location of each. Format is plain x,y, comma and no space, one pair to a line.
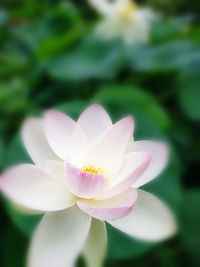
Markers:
51,58
123,19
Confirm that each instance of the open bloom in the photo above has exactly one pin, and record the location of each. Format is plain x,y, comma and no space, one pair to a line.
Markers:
123,19
85,173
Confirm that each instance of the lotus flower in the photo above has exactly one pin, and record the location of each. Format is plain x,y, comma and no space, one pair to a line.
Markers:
123,19
86,173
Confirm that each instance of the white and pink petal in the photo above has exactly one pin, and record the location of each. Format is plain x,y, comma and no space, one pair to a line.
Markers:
134,166
159,157
30,187
110,209
150,220
83,184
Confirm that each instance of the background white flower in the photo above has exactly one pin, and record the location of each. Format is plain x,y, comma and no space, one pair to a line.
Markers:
85,173
124,19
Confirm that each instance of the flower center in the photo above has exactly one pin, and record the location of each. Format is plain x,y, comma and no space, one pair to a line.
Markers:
91,169
126,10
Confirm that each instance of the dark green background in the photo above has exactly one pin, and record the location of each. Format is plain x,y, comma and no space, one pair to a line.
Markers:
50,58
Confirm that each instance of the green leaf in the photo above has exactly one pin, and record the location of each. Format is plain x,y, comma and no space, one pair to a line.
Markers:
189,93
190,222
169,56
121,246
52,32
14,248
3,17
73,108
92,59
2,152
14,103
16,153
26,223
166,29
138,102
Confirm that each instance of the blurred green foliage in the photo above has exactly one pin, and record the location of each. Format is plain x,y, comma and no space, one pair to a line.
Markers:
50,57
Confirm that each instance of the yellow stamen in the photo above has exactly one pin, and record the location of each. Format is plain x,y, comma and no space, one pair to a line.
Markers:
91,169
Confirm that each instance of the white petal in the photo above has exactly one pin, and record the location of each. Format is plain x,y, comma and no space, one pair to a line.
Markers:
56,170
136,32
94,121
121,3
150,220
108,150
110,209
107,28
105,7
64,135
31,187
35,141
95,248
59,238
159,158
